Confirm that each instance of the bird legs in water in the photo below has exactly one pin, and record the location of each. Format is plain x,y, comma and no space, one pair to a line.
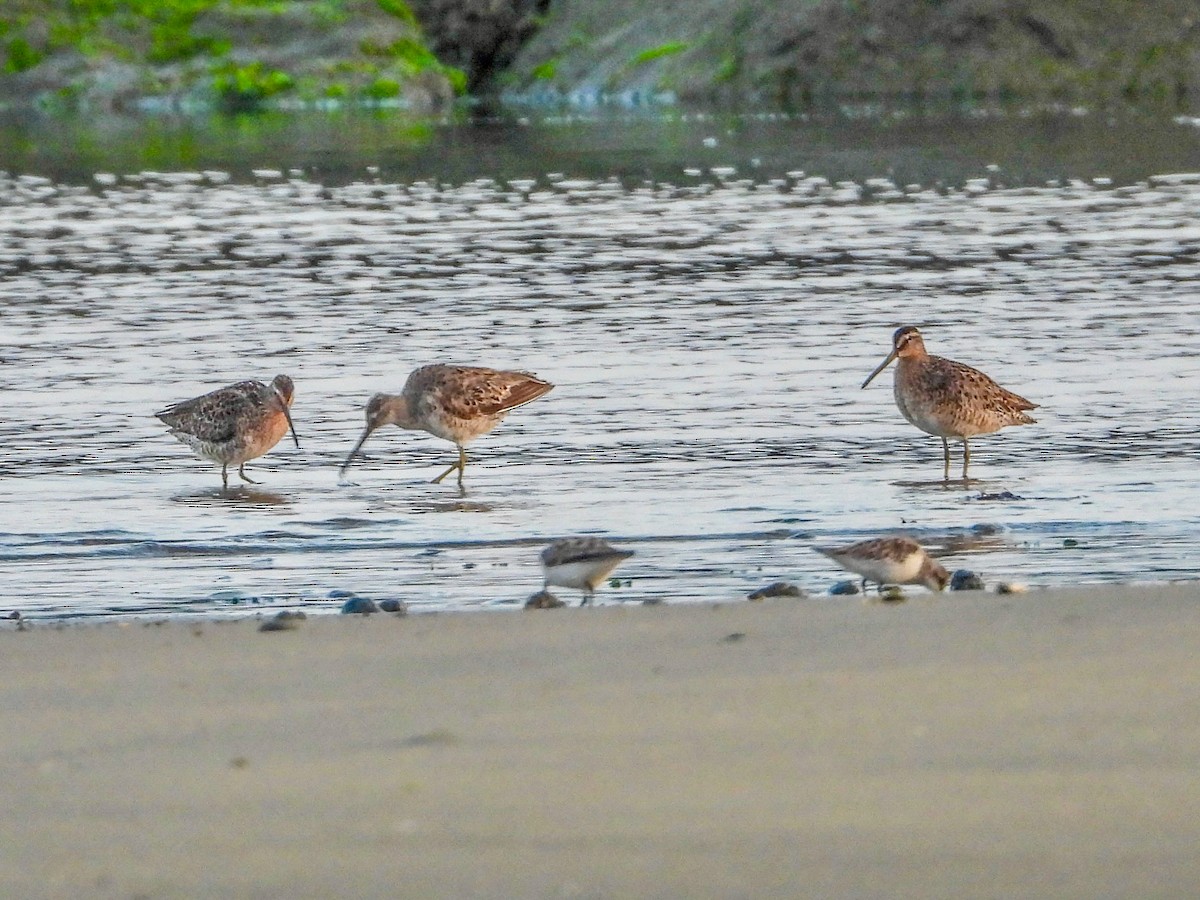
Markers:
946,459
460,465
241,473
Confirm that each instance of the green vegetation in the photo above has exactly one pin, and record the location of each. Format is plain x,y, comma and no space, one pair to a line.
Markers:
245,87
235,53
546,71
653,53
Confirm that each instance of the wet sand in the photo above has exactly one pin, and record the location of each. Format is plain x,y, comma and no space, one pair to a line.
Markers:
968,745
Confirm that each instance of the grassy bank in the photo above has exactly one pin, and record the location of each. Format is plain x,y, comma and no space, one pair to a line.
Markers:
237,54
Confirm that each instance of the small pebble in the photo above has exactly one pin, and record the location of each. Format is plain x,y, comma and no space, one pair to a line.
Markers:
1010,587
653,601
362,606
734,637
965,580
399,607
778,589
892,594
543,600
844,588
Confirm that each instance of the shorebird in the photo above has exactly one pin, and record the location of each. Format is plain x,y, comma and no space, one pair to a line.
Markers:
947,398
581,563
891,560
455,403
234,424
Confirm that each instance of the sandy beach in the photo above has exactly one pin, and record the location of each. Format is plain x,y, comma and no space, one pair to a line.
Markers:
965,745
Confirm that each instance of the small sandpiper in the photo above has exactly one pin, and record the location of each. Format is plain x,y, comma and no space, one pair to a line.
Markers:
455,403
947,398
234,424
581,563
890,560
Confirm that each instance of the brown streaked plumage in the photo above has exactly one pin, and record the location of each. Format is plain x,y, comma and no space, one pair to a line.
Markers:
455,403
234,424
581,563
947,398
890,560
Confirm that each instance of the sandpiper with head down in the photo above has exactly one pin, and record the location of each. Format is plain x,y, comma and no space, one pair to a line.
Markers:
234,424
947,398
890,560
581,563
455,403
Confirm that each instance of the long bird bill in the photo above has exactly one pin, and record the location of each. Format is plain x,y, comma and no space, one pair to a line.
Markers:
362,440
287,414
883,365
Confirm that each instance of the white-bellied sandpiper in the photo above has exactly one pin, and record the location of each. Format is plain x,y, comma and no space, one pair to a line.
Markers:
890,560
581,563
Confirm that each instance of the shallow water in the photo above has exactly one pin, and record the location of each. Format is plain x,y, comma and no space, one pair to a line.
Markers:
707,331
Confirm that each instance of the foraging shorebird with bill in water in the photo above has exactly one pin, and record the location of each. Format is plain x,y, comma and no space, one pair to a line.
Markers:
891,560
947,398
454,403
581,563
234,424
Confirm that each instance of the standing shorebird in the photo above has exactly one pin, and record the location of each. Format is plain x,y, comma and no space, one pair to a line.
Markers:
455,403
234,424
891,560
947,398
581,563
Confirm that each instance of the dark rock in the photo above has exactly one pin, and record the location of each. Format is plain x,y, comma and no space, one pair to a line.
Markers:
399,607
844,588
362,606
965,580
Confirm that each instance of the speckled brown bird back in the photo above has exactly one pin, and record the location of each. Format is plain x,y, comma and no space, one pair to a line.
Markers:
460,403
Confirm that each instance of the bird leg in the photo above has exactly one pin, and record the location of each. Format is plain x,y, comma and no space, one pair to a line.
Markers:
945,460
460,465
242,474
966,457
224,476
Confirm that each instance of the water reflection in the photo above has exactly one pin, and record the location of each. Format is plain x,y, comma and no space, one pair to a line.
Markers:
236,497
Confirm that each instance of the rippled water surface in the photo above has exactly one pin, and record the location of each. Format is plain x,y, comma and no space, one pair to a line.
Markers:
707,328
